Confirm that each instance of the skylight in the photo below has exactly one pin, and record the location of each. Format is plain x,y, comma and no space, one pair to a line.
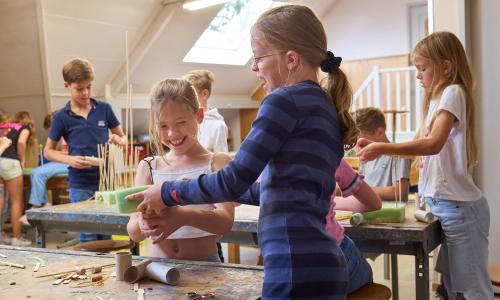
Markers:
227,38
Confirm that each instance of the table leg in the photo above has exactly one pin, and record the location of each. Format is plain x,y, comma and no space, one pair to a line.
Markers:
387,266
421,274
233,253
40,236
394,274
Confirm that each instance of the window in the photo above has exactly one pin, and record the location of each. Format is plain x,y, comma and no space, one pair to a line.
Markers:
227,38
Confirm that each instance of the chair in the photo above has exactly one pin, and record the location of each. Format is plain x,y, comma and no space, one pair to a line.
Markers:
104,246
371,291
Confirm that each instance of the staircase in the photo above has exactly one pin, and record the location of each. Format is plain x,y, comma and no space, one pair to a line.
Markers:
393,89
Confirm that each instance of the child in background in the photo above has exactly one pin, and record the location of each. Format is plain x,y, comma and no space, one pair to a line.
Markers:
448,154
175,116
213,129
84,123
387,175
30,155
49,169
296,142
11,171
357,196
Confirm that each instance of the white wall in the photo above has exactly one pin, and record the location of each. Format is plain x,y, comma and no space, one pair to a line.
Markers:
360,29
486,64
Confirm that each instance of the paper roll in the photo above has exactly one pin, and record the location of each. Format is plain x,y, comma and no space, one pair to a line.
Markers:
424,216
162,273
136,272
123,262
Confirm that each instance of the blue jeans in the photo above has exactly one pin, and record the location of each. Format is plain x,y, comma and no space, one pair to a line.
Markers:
463,258
39,177
360,272
78,195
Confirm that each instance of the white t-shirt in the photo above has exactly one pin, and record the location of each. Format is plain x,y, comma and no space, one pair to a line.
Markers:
445,175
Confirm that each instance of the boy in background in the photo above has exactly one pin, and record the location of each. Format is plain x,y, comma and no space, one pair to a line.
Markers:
213,130
385,173
84,123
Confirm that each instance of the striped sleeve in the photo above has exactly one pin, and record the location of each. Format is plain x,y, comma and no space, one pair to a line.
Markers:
275,121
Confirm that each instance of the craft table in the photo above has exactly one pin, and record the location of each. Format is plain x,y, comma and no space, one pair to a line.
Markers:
227,281
409,238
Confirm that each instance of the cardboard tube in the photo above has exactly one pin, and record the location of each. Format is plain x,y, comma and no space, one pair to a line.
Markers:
123,262
424,216
136,272
162,273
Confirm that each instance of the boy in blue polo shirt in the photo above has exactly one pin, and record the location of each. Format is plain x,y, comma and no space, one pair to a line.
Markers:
84,123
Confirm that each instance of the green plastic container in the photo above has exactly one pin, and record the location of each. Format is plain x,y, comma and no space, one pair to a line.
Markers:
389,213
128,206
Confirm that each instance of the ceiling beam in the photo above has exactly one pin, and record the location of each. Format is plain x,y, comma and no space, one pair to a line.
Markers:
150,34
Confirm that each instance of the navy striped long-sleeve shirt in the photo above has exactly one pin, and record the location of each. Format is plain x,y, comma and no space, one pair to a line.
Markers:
296,143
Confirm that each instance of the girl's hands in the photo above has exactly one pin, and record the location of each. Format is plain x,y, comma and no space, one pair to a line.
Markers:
368,150
151,200
162,225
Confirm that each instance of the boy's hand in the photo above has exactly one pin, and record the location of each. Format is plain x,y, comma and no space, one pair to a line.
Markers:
151,200
117,140
78,162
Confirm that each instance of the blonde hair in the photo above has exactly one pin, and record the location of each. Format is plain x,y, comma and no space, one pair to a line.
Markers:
201,80
77,69
438,48
24,118
368,119
297,28
174,90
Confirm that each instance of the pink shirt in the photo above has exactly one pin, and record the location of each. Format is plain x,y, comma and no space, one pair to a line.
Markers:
349,182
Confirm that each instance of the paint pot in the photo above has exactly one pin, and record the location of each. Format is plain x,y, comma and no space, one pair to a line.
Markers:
424,216
123,262
162,273
136,272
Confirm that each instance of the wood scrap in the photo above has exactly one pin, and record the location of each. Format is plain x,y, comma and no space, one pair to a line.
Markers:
58,281
11,264
71,271
96,278
140,294
37,266
3,255
42,262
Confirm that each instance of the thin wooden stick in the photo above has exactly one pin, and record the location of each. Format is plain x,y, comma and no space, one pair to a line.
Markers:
11,264
64,272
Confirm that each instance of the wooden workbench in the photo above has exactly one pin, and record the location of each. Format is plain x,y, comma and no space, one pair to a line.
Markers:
410,237
227,281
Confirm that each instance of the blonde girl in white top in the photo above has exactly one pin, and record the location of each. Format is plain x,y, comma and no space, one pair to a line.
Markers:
448,153
192,230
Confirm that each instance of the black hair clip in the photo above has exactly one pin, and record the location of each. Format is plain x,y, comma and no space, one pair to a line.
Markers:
331,62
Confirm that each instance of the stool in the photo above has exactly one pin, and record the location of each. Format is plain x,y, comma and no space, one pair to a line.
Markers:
104,246
371,291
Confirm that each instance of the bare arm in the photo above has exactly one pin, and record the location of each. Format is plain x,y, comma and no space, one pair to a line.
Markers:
21,145
52,154
364,199
430,145
389,192
117,136
143,174
5,142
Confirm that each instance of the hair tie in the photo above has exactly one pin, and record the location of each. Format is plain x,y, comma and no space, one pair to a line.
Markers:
331,62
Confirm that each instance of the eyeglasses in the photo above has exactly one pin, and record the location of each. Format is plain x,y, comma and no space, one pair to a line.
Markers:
256,59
